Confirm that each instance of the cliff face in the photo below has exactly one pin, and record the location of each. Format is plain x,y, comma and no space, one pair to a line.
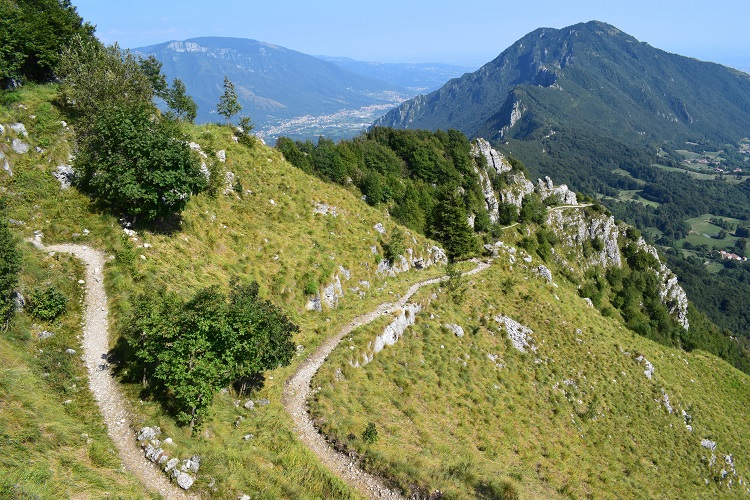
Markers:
587,239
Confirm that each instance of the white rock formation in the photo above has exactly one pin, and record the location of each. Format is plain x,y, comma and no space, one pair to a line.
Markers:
403,319
546,189
519,335
574,228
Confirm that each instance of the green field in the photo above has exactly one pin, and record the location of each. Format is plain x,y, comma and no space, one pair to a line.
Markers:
702,232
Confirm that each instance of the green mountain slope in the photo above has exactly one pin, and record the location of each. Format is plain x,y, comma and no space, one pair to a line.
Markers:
590,75
316,250
658,137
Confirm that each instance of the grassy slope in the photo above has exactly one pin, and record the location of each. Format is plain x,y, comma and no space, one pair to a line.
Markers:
283,246
582,421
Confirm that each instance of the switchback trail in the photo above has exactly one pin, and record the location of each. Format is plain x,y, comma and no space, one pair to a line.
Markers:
297,391
104,387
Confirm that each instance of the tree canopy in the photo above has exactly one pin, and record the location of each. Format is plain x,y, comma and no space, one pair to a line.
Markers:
190,350
32,36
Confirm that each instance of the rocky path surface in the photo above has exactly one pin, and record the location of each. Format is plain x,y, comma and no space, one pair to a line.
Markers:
106,391
297,390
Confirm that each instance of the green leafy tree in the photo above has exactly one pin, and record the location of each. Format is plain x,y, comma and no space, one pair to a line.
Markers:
10,265
180,103
228,104
244,129
261,334
96,78
151,68
532,209
449,225
33,34
135,164
191,350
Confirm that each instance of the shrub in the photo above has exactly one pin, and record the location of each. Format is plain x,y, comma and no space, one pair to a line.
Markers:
311,287
370,434
47,303
10,265
395,247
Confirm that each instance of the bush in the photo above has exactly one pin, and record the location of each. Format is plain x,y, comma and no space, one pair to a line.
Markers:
370,434
395,247
311,287
10,265
47,303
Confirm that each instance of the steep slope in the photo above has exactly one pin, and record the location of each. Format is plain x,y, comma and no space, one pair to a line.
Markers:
315,250
273,83
589,75
511,384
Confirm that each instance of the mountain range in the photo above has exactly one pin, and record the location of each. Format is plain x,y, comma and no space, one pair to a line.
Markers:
660,138
286,92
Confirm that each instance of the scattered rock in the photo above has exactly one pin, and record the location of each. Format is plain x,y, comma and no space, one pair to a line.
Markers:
247,437
249,404
262,402
6,166
379,228
44,335
649,371
392,332
519,335
665,401
221,155
325,209
708,444
64,175
588,302
70,351
544,272
457,330
19,146
19,128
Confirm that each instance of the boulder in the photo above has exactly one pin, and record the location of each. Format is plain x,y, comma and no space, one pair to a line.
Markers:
19,128
64,175
19,146
457,330
544,272
171,464
19,301
148,433
314,303
184,481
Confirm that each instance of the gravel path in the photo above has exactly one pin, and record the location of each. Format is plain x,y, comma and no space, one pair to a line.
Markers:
105,388
297,390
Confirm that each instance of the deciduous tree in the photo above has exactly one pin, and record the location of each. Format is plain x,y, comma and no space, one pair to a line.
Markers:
228,104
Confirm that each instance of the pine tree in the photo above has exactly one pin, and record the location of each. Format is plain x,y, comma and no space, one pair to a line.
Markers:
228,105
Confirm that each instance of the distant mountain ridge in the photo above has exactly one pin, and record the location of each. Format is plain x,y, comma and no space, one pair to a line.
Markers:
590,75
272,82
418,77
286,92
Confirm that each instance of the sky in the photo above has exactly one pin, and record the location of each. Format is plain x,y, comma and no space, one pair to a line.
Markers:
463,32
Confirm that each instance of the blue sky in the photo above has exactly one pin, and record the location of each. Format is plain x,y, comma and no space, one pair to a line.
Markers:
467,32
